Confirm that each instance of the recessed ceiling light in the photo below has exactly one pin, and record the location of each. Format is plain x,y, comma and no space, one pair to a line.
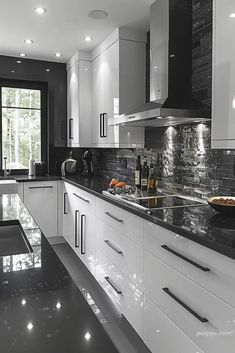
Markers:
58,55
22,55
40,10
28,41
232,15
98,14
18,61
30,326
155,67
48,70
13,71
88,38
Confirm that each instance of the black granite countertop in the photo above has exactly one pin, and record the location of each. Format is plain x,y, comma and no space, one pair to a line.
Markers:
199,223
41,308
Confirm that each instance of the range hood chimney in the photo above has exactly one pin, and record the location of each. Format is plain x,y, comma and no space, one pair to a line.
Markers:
171,100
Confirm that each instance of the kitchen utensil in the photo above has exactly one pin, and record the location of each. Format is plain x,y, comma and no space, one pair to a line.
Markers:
69,166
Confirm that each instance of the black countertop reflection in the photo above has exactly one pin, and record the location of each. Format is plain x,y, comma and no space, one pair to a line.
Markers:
41,308
199,223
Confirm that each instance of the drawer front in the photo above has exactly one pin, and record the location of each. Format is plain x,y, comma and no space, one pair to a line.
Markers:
82,199
41,200
121,220
86,239
189,306
216,272
126,297
161,334
122,252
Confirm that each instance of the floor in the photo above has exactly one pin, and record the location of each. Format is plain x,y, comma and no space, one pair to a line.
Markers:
118,328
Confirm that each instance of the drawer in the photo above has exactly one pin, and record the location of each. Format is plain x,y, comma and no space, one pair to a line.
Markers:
126,297
161,335
122,252
121,220
82,199
220,279
172,292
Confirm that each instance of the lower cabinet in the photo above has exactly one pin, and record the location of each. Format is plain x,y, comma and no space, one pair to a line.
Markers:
163,298
126,297
41,200
161,335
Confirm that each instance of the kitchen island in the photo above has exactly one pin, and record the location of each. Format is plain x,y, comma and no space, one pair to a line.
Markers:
41,308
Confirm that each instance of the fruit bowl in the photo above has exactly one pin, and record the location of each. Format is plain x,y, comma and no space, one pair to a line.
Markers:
223,204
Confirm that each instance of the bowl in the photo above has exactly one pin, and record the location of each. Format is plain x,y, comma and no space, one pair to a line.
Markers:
222,206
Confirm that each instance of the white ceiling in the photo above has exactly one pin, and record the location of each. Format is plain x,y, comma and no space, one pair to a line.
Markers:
64,25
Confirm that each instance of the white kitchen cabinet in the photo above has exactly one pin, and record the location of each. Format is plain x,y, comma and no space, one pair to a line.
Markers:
193,309
79,100
215,272
162,335
223,87
41,200
79,220
118,85
126,297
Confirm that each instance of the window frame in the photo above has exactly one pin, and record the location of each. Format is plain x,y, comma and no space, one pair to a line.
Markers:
43,87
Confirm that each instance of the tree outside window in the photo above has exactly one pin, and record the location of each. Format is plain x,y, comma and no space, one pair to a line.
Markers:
21,126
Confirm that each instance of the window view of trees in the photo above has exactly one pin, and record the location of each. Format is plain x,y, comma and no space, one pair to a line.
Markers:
21,126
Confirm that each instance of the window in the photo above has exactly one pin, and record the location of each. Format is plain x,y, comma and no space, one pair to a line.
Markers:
23,125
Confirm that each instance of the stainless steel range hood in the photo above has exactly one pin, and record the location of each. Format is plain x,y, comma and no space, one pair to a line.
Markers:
170,70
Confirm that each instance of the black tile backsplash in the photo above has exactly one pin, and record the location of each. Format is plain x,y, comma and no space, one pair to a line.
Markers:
181,155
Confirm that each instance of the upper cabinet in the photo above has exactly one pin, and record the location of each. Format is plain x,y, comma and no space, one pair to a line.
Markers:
105,83
223,94
79,100
118,86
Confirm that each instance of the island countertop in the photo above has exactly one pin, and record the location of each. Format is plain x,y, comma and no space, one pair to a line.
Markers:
41,308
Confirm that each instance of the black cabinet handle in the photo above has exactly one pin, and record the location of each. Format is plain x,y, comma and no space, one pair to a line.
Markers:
70,129
76,229
82,234
204,269
103,125
113,217
185,306
65,208
113,247
111,283
41,187
81,198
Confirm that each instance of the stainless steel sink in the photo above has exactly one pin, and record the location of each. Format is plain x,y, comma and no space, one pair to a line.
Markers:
13,240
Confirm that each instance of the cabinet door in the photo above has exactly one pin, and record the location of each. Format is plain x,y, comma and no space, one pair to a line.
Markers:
105,96
158,329
72,105
223,95
41,200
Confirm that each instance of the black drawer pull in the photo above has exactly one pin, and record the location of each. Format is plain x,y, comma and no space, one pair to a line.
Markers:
76,229
185,306
83,234
40,187
113,217
110,282
113,247
204,269
81,198
65,206
70,129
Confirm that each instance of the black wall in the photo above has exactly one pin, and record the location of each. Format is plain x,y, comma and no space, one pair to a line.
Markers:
35,70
